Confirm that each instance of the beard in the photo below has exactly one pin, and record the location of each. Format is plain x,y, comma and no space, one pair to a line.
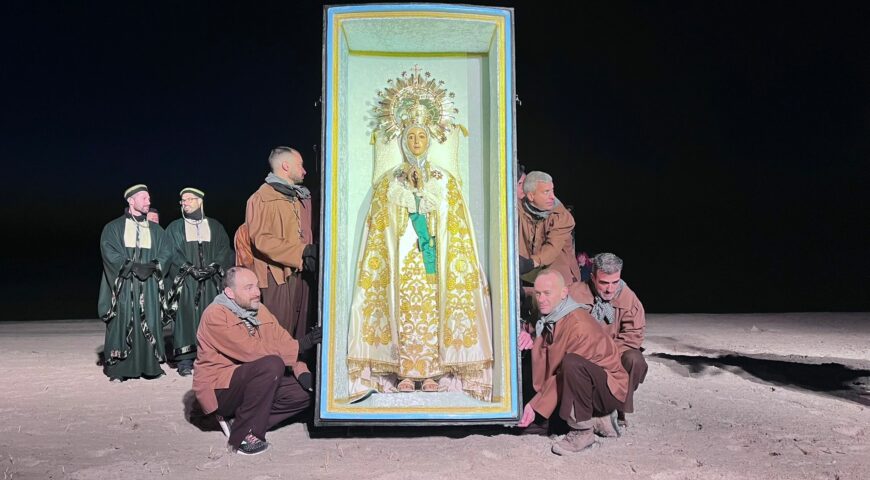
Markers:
252,305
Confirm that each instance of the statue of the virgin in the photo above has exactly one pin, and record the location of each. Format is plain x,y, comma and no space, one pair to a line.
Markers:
421,315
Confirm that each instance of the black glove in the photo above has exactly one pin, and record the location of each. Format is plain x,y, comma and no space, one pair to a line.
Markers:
526,265
310,339
309,257
306,381
143,270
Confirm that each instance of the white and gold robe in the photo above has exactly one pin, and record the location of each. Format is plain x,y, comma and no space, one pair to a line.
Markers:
408,324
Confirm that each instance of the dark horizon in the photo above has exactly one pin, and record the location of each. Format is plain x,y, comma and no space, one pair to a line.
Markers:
720,149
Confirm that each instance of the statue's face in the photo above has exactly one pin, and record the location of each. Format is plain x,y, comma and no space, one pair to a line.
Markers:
417,140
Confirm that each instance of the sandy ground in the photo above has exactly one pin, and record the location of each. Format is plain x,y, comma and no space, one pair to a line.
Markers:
780,396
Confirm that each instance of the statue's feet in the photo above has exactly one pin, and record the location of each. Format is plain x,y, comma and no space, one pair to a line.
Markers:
406,385
429,385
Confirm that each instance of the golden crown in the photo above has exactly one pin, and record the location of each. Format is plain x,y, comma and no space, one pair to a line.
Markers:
414,99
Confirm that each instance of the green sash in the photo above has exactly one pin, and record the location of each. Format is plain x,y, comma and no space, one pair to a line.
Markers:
424,240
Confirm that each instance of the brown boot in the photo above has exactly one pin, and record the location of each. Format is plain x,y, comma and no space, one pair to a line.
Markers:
606,426
576,440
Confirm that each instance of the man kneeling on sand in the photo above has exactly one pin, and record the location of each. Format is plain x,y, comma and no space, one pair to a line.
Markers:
240,360
575,366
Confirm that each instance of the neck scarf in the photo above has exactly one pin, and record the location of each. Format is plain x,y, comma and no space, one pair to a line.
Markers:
534,211
195,215
248,316
603,310
290,190
136,218
548,321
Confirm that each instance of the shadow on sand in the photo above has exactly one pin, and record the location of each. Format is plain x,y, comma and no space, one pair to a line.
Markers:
208,423
831,379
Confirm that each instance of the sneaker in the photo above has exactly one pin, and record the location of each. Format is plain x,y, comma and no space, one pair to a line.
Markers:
606,426
575,441
116,379
252,445
185,371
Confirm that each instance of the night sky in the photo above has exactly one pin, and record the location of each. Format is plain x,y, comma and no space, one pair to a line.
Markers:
720,148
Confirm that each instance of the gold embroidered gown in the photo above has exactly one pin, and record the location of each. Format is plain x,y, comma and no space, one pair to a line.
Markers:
405,322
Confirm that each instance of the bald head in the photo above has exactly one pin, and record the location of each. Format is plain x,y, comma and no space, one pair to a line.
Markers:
550,290
552,275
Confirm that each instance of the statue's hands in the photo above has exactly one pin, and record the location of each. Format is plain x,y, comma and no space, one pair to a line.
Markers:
528,416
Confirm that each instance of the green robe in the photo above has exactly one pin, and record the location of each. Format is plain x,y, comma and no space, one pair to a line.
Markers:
134,344
209,259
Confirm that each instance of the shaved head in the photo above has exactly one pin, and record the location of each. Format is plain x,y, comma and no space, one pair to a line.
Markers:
549,290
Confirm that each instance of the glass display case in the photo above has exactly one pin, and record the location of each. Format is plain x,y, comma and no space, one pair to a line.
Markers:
418,282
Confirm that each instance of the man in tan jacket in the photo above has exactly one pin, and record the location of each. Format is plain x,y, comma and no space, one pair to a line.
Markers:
546,231
575,367
240,363
620,312
278,219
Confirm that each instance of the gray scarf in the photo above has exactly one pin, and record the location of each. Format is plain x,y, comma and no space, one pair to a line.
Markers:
549,321
603,310
249,317
534,211
195,215
537,213
287,188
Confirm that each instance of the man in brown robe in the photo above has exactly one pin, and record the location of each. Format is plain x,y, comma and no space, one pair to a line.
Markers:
575,367
278,219
240,363
620,312
546,236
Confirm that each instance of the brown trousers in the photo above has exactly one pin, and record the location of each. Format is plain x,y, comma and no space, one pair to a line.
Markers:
636,367
289,303
259,397
584,392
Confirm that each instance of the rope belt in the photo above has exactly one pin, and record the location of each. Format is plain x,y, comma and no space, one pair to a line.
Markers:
212,272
